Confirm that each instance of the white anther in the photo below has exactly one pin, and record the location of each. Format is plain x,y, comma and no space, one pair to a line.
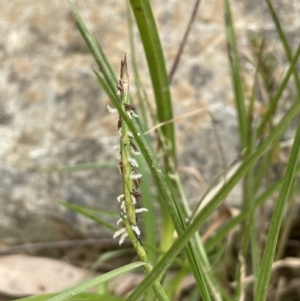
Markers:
135,176
130,135
111,110
118,156
122,238
140,210
133,114
120,197
133,199
135,152
133,162
123,206
136,230
119,232
129,114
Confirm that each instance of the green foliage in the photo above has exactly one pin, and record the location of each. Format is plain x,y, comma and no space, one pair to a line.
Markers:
258,145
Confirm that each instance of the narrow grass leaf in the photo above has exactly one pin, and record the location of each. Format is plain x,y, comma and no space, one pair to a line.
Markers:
224,230
100,279
82,167
78,297
236,75
81,210
273,105
284,40
137,78
271,243
148,31
110,256
96,51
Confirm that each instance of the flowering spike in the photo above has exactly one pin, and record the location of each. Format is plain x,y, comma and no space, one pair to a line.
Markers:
127,165
130,177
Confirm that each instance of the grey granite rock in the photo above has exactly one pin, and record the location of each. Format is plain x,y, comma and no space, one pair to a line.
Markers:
53,112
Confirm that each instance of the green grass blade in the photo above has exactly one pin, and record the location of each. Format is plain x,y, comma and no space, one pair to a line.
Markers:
78,297
248,183
149,220
183,41
110,256
81,210
100,279
105,86
82,167
236,75
148,31
283,41
273,105
268,257
223,231
137,78
183,239
199,247
96,51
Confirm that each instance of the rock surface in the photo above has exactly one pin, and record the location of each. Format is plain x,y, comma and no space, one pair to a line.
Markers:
53,112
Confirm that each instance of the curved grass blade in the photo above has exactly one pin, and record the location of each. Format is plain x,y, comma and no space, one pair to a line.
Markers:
78,297
284,41
89,283
96,51
81,210
273,105
268,257
223,231
236,77
82,167
137,78
109,256
148,31
183,41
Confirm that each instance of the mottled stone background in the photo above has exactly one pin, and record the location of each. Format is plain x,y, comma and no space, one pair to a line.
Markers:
53,112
